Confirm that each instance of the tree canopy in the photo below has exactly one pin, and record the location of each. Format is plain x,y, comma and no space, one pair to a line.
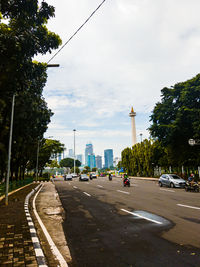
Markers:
176,119
23,34
69,162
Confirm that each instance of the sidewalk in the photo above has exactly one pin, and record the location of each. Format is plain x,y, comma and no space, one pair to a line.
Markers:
16,248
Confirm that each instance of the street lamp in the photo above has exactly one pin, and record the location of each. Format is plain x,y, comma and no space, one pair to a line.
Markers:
141,137
74,152
9,150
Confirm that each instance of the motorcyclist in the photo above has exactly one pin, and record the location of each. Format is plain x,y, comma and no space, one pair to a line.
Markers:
110,176
125,177
191,178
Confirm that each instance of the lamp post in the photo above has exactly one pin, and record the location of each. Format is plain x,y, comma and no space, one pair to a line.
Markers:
9,150
141,137
74,152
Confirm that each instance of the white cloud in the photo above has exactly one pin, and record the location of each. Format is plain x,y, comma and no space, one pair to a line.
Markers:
123,57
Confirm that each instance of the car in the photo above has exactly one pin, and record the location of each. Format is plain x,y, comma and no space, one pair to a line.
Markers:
68,177
83,177
74,175
93,175
171,180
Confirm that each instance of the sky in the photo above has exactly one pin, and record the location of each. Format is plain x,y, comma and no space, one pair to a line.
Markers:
123,57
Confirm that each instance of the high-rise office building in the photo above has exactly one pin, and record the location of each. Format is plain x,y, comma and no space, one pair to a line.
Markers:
91,161
71,153
88,151
99,162
80,158
108,157
59,157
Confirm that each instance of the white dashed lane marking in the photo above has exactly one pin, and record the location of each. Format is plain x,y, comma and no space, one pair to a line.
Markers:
186,206
123,192
142,217
75,187
99,185
87,194
168,190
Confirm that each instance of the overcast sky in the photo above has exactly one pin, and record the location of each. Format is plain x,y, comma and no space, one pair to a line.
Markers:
123,57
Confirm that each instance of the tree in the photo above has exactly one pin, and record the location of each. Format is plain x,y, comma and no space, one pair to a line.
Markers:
77,170
53,164
23,34
86,169
69,162
47,148
94,169
176,119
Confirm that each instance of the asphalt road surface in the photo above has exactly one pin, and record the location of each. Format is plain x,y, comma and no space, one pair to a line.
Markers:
109,225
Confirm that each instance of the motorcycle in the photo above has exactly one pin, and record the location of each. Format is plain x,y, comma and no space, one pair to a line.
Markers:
110,177
191,186
126,182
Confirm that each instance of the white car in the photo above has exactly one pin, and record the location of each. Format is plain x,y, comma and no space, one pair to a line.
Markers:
171,180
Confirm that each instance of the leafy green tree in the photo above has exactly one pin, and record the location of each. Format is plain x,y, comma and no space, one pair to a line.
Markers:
94,169
53,164
69,162
86,169
176,119
77,170
23,34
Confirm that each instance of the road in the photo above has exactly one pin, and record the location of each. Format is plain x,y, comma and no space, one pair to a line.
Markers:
109,225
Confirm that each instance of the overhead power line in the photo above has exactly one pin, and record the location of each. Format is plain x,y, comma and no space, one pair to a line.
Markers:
76,31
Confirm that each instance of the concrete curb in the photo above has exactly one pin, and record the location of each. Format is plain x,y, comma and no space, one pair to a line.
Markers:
12,192
35,240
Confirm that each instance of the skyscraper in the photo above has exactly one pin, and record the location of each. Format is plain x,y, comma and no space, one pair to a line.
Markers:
80,158
91,161
99,162
88,151
108,157
71,153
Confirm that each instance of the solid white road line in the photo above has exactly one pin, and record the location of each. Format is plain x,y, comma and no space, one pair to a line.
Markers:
53,247
186,206
123,192
168,190
140,216
99,185
87,194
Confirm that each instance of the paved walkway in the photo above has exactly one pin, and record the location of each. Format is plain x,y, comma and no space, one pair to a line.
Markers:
16,248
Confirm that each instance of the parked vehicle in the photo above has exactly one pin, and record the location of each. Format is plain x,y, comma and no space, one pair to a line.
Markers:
126,182
68,177
171,180
192,186
83,177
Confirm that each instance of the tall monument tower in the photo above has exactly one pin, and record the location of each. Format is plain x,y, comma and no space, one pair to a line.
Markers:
132,114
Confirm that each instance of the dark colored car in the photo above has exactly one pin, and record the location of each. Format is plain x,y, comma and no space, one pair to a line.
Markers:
83,177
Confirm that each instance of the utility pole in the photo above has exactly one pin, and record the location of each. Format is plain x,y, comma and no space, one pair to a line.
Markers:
9,150
74,152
